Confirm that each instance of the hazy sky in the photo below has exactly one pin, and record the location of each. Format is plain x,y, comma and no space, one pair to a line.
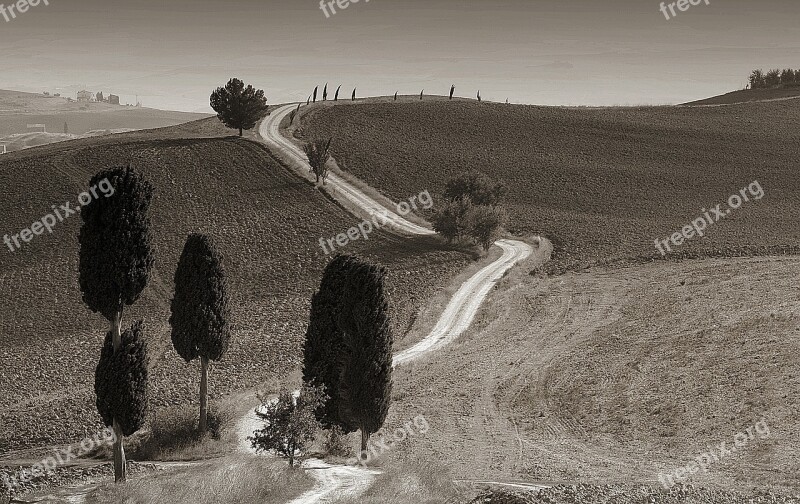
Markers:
571,52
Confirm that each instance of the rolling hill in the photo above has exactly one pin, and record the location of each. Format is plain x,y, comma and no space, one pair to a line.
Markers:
267,223
602,183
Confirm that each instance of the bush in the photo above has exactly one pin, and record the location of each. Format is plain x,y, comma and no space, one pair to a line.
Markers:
476,186
337,443
485,224
450,220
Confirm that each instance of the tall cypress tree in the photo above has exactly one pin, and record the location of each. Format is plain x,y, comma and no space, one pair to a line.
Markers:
323,343
348,347
115,261
200,310
365,389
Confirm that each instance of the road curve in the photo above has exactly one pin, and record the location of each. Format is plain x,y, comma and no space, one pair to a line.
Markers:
334,481
336,186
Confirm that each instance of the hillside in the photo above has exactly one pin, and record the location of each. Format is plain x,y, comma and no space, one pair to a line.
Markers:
751,95
603,184
267,223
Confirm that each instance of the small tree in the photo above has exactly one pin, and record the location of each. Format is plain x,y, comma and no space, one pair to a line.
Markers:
115,261
325,93
452,90
450,220
420,94
477,186
395,95
353,98
317,152
290,422
787,76
316,89
773,77
200,311
757,80
99,97
237,106
485,224
336,97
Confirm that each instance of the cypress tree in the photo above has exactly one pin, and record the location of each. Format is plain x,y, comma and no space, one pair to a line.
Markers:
336,97
115,261
200,310
365,391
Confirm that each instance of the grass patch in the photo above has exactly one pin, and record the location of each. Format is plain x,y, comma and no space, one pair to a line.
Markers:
242,479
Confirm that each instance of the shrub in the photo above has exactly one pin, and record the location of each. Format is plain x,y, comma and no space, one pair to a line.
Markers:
485,224
476,186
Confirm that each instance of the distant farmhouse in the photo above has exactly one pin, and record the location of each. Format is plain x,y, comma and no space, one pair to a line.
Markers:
113,99
85,96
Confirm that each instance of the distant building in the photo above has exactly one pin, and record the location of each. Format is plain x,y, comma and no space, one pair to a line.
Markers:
113,99
85,96
2,148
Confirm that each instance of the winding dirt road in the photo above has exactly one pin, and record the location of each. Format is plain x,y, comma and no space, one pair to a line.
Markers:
337,481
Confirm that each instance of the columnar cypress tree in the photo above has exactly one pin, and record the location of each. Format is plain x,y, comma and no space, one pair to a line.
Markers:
336,97
366,381
354,94
323,343
115,261
315,93
200,310
120,381
325,93
348,347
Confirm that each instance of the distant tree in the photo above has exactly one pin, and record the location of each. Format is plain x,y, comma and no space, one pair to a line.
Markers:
452,90
450,220
787,76
200,317
757,80
99,97
336,98
116,258
66,128
317,152
395,95
315,93
308,102
237,106
353,98
120,384
325,93
365,392
420,94
773,77
290,423
485,224
479,95
478,187
797,75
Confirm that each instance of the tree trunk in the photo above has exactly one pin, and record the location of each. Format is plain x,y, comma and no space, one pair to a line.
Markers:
120,468
364,441
291,455
119,450
203,395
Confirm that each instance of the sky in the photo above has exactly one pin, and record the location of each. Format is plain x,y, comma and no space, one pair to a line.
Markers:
172,54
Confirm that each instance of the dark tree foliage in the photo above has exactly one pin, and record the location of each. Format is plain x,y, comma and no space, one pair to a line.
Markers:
237,106
200,309
395,95
348,347
478,187
366,381
323,343
336,97
325,93
452,90
315,93
451,220
116,254
120,381
354,94
318,153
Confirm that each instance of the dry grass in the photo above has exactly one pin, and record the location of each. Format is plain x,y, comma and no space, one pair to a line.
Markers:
235,480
